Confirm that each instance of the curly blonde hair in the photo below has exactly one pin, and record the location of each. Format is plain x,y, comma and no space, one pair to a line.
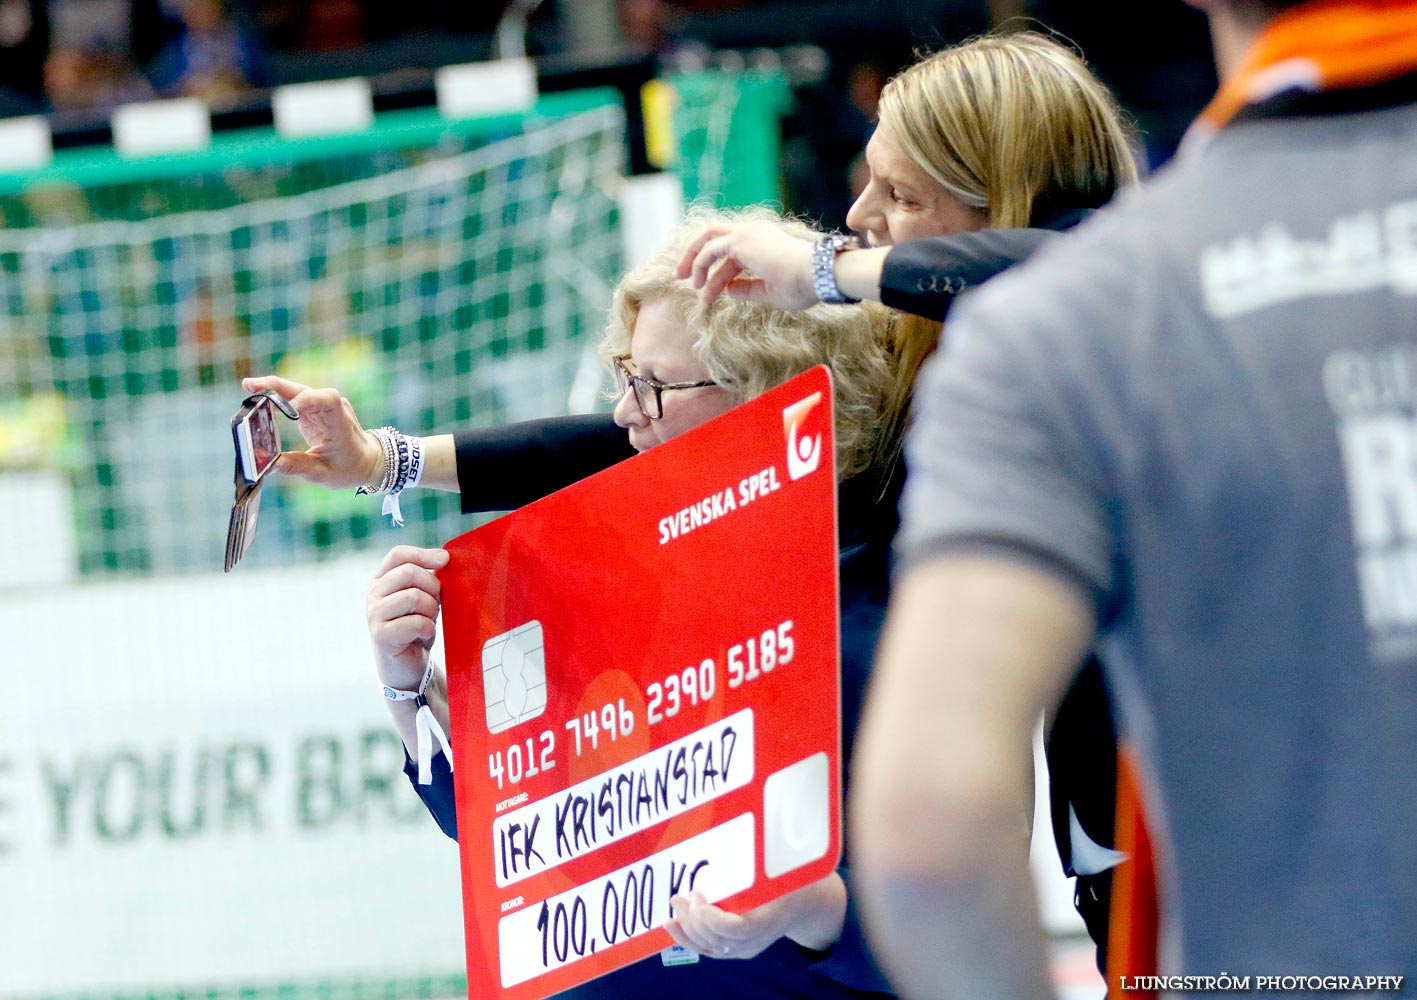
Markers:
750,347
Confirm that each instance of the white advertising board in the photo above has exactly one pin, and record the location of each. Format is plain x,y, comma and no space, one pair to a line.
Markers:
199,787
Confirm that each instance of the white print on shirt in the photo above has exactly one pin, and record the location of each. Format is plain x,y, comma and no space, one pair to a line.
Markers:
1374,396
1362,252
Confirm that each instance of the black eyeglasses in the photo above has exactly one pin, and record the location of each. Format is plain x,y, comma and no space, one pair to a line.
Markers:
649,394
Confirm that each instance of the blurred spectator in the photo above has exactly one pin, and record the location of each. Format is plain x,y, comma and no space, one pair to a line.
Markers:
99,24
93,49
24,43
654,26
78,21
212,57
825,135
864,83
312,25
94,77
1160,67
645,24
151,29
333,24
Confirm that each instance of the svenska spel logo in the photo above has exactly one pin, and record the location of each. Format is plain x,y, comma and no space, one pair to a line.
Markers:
804,448
514,676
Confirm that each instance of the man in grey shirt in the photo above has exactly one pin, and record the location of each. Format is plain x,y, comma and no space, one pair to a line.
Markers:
1190,428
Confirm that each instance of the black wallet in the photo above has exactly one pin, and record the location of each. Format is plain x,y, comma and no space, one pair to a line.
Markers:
241,529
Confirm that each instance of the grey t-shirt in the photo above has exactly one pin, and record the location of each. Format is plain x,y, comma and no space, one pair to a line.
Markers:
1202,408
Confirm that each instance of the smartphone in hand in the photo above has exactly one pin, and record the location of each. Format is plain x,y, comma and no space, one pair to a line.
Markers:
257,436
257,439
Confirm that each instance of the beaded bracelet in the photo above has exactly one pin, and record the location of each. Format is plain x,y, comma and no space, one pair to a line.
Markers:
403,467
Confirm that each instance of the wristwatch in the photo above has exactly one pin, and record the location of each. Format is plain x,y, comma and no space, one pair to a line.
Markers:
824,253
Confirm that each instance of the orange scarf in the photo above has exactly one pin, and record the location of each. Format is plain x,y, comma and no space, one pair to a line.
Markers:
1325,45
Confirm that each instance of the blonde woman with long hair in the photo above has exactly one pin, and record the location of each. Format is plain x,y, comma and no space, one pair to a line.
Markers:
1002,132
983,151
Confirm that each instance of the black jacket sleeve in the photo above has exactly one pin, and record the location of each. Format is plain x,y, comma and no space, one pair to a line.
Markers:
438,797
923,277
506,467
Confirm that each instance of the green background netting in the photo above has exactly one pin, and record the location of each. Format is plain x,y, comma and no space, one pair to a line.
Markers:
441,274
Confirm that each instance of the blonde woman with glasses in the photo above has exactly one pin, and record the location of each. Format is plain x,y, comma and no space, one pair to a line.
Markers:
679,362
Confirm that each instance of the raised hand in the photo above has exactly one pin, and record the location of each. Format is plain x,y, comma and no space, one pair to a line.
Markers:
780,265
339,452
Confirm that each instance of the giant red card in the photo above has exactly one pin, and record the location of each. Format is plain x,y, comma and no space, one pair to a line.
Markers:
644,685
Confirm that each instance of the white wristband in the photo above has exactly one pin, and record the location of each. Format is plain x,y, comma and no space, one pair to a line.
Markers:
426,725
415,462
394,694
403,467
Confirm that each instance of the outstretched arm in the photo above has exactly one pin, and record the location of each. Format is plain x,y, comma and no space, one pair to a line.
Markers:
975,646
494,468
